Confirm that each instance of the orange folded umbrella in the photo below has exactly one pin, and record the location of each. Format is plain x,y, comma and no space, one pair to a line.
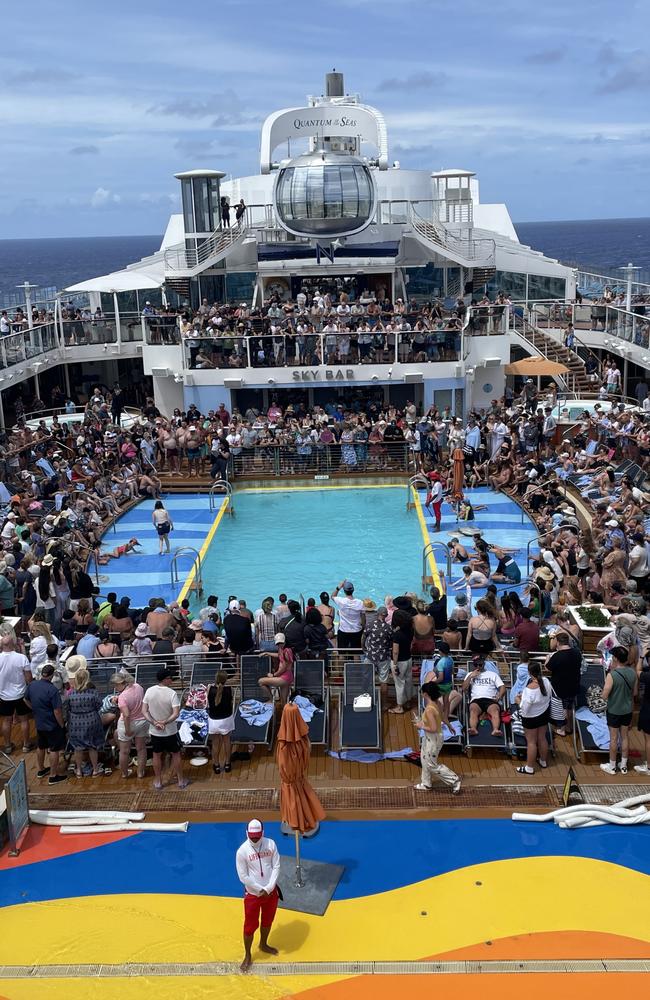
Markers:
300,807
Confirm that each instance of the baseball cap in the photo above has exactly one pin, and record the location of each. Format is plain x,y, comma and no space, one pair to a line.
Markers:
279,637
233,606
255,829
612,523
348,586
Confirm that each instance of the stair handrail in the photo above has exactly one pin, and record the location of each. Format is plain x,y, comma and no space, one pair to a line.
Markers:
197,565
179,256
526,328
224,487
435,232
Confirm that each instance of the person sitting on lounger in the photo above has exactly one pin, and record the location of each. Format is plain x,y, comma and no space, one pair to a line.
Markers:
486,690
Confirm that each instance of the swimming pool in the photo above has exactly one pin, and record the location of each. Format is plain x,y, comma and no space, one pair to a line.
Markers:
304,540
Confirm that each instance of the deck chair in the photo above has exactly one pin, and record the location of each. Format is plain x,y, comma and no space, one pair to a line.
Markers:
309,680
145,673
583,742
100,675
252,669
204,672
359,730
483,740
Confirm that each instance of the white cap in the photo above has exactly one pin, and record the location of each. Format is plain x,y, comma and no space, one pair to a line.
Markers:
254,827
233,606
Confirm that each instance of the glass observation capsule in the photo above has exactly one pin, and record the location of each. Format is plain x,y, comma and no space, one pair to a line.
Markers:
324,194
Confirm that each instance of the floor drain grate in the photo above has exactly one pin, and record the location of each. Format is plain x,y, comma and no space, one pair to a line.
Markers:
508,967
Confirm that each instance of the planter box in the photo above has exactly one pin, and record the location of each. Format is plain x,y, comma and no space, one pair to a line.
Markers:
590,635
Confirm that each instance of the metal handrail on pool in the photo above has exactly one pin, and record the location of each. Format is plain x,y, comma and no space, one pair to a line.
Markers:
224,487
196,564
429,549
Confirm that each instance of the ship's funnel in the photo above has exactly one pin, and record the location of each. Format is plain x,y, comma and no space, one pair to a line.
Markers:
334,86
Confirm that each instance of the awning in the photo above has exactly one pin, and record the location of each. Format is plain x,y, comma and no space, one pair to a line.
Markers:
122,281
536,366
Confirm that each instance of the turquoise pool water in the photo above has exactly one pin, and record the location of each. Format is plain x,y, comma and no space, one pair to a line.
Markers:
305,541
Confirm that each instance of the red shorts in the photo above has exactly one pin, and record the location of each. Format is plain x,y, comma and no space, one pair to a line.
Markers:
254,905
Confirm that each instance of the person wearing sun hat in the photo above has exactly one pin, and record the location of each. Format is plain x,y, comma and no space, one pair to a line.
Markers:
258,869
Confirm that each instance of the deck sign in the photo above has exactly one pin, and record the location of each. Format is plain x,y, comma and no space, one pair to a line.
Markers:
17,808
571,788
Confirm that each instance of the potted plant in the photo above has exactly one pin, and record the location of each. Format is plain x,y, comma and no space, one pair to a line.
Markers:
594,622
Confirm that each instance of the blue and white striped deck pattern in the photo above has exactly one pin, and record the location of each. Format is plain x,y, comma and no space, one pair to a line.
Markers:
146,574
501,524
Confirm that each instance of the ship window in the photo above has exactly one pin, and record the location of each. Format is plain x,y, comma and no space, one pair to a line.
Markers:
188,214
544,287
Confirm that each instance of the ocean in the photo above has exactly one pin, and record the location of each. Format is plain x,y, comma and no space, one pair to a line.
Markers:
601,245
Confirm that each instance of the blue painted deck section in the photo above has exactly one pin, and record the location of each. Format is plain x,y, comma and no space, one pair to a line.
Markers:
151,862
146,574
503,523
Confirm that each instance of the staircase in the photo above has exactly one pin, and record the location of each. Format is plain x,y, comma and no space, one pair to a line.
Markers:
481,276
189,261
179,285
466,251
576,379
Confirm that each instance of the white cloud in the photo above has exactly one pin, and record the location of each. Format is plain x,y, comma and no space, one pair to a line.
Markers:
102,198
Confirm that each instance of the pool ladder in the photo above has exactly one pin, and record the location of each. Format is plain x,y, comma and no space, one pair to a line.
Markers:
197,566
429,550
222,486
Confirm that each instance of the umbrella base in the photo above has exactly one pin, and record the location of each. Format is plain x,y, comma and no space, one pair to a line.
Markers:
288,832
320,881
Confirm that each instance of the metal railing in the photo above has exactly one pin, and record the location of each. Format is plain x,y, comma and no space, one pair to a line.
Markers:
464,250
630,326
272,459
594,285
105,329
430,549
161,330
187,258
221,486
20,348
290,350
196,566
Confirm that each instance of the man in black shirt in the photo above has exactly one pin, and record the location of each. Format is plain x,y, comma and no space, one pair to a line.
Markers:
438,607
564,667
239,632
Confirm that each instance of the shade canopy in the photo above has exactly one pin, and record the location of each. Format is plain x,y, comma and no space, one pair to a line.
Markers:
300,807
536,366
122,281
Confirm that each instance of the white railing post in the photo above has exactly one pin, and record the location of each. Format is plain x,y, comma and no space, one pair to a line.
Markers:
118,328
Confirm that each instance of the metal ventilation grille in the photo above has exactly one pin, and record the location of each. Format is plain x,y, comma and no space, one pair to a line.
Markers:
128,970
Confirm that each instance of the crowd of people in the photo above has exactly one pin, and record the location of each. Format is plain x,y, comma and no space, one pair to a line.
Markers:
63,483
318,328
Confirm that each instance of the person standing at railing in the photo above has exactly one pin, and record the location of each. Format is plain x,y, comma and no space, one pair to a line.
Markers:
240,211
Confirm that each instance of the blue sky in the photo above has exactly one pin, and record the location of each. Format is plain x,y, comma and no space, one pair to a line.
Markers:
101,103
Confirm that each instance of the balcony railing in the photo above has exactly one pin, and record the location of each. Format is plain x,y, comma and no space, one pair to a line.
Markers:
633,326
309,458
161,330
102,330
289,350
18,348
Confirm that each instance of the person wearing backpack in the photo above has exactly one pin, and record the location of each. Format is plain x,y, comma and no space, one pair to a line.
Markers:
618,693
